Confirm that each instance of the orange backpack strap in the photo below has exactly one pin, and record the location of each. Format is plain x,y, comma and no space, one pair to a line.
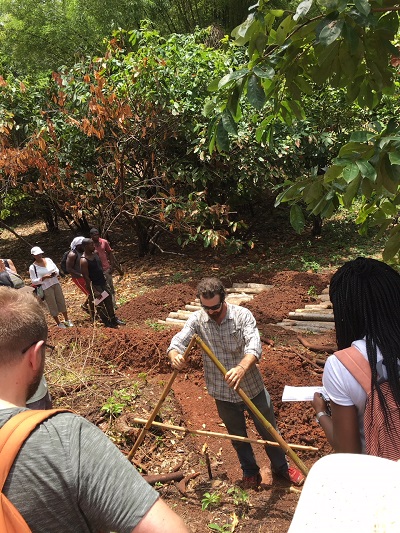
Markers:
357,365
14,433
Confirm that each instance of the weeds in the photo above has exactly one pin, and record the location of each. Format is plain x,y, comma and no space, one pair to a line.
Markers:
113,407
178,277
240,498
221,529
155,325
210,499
312,292
119,400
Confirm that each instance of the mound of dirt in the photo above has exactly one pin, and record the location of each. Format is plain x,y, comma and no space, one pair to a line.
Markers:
157,304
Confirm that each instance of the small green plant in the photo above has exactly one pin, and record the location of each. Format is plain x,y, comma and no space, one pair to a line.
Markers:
210,499
310,265
120,399
159,440
155,325
143,377
113,407
240,496
178,277
312,292
221,529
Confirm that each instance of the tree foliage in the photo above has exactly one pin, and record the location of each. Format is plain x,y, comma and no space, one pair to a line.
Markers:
348,47
124,136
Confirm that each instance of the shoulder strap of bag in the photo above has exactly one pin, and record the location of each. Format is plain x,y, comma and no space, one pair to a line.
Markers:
357,365
14,433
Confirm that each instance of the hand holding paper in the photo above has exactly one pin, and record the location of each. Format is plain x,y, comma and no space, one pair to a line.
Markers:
103,296
301,394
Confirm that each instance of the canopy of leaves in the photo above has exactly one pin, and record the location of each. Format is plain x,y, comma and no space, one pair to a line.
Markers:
124,135
291,54
43,36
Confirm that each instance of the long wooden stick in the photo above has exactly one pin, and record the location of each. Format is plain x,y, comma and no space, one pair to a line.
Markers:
164,394
222,435
286,448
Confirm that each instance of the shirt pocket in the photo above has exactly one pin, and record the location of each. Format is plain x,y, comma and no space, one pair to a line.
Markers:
236,342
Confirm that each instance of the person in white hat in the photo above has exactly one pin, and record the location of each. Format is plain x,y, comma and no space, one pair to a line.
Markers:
44,273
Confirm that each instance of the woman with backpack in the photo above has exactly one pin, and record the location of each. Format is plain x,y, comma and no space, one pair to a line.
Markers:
44,275
362,378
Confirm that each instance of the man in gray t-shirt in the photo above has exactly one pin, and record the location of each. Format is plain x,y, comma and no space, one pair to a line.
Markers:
68,476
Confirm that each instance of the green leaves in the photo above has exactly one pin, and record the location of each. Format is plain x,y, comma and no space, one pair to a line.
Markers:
255,92
363,6
265,71
302,9
242,33
330,32
297,219
232,76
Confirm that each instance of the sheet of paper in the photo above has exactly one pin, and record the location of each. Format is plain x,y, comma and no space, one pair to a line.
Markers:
103,296
300,394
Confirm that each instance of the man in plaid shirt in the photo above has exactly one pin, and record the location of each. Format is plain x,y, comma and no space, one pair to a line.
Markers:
231,333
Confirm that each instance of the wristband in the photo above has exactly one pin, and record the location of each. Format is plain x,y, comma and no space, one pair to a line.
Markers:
242,367
318,416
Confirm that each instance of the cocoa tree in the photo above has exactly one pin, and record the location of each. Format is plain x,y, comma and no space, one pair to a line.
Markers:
291,56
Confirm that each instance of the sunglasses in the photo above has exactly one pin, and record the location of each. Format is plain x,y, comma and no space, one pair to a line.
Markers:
211,307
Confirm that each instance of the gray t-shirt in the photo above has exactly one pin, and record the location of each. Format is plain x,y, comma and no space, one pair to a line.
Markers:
69,477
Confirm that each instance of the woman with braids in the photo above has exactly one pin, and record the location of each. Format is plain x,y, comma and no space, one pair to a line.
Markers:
365,294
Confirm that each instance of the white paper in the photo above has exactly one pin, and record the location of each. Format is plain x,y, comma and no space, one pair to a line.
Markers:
301,394
103,296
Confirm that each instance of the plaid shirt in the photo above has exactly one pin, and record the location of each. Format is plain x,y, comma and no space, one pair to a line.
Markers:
236,336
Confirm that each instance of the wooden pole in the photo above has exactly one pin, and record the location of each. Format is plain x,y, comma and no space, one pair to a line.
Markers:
222,435
285,447
164,394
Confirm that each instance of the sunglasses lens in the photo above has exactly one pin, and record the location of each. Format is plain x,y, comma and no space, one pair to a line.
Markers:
212,307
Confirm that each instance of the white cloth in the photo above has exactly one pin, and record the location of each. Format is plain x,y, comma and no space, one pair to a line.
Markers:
347,492
36,273
343,389
76,242
40,393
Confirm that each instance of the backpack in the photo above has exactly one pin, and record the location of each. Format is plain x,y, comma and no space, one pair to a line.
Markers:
5,279
12,435
63,262
16,280
381,439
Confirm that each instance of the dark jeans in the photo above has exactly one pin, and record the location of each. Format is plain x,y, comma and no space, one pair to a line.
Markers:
105,309
232,414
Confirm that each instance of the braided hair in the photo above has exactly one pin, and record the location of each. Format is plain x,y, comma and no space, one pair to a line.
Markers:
365,294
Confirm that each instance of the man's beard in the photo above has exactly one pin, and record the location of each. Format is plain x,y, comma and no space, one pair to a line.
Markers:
216,315
33,386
